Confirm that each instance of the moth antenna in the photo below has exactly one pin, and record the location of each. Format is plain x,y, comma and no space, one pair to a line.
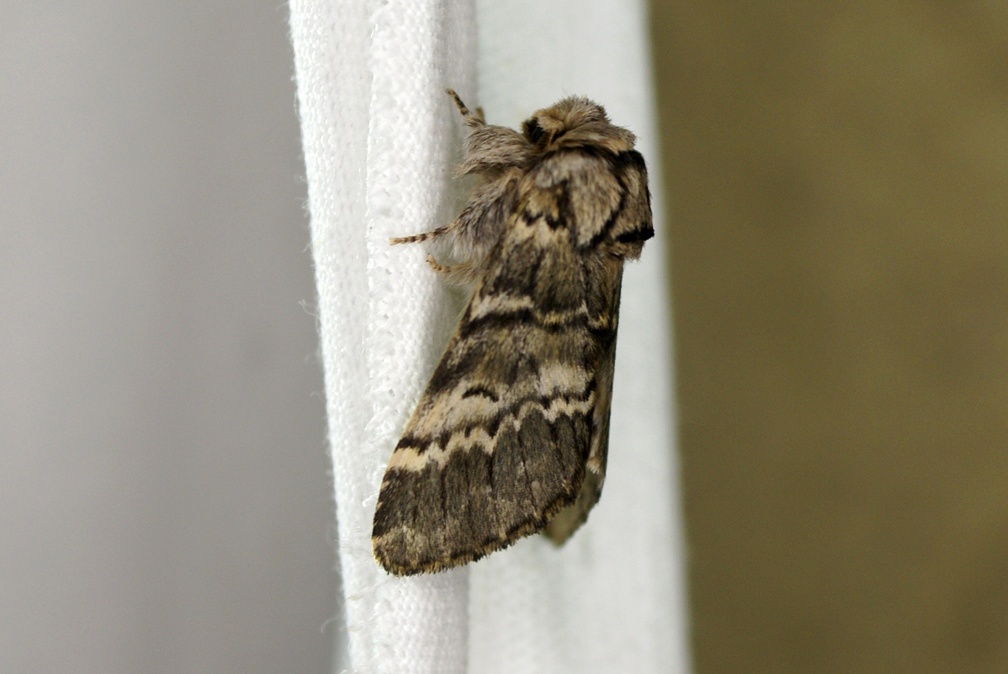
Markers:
470,118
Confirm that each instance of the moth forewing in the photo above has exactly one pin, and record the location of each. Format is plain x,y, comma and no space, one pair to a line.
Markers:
510,436
570,518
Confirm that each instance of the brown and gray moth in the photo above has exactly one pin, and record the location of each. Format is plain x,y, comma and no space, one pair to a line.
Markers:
510,436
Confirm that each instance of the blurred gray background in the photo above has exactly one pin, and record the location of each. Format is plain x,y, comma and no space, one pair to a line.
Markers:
165,498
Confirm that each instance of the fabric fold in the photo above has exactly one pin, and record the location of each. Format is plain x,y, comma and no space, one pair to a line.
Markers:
380,141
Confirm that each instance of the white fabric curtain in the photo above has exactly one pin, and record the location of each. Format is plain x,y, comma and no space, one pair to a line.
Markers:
380,138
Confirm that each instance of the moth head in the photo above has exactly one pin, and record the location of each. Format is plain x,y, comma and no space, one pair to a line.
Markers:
573,122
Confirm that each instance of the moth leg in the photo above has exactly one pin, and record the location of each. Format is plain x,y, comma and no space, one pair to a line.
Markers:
424,236
471,118
458,274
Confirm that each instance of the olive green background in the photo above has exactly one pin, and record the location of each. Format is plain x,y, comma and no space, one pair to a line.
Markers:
837,181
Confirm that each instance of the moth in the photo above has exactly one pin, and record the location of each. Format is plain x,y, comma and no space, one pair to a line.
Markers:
511,435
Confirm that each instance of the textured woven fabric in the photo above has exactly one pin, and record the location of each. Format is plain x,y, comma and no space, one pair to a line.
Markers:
377,143
380,139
